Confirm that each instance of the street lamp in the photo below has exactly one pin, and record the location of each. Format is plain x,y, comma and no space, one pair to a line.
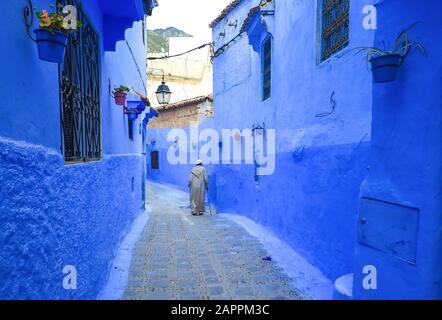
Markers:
163,93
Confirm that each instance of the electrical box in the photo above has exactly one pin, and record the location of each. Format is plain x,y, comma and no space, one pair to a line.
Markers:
390,228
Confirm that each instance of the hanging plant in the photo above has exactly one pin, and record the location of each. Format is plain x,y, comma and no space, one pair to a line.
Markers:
385,62
120,95
52,34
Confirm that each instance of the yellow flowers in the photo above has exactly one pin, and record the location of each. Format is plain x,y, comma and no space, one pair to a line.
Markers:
55,21
45,20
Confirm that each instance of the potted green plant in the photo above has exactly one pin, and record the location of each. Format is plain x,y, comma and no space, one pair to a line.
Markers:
120,95
385,62
52,36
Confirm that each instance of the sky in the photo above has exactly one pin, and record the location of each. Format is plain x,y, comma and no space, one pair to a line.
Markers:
191,16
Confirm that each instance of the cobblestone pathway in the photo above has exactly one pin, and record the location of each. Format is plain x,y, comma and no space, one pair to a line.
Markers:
180,256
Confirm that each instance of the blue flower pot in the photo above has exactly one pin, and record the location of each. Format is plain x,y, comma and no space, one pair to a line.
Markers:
136,104
132,116
51,46
384,68
141,106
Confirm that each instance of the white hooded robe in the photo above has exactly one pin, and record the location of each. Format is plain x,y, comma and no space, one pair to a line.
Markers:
198,184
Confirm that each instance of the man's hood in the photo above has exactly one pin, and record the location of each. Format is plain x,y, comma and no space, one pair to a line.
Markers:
197,170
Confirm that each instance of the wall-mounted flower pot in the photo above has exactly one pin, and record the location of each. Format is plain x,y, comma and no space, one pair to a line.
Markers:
384,68
137,105
132,116
132,113
51,46
120,98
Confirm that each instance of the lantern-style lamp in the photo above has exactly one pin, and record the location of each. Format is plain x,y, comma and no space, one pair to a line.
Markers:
163,93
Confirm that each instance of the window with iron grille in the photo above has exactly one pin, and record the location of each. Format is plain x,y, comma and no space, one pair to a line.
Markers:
267,68
80,93
334,19
154,160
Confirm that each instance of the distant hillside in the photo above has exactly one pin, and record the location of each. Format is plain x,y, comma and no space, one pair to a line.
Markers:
158,38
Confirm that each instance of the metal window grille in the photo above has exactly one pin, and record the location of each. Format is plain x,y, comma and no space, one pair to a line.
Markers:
80,93
154,160
267,68
335,31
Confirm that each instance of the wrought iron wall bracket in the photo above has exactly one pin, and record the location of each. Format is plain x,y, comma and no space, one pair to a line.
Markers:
258,129
332,107
28,16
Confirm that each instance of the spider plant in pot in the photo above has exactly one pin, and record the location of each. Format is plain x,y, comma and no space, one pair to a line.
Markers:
385,62
120,95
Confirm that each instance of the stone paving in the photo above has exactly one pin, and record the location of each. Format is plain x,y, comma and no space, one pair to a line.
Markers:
180,256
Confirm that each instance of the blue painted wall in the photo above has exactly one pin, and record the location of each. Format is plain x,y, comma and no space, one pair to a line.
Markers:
311,200
52,215
177,175
405,165
166,173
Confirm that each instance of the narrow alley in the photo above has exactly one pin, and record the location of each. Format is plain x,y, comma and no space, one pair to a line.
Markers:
311,128
180,256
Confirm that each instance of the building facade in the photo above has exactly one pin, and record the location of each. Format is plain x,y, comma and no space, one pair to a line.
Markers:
278,69
400,202
184,113
188,76
356,186
70,168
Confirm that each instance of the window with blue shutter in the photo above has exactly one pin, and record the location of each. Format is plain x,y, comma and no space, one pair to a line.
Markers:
267,68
